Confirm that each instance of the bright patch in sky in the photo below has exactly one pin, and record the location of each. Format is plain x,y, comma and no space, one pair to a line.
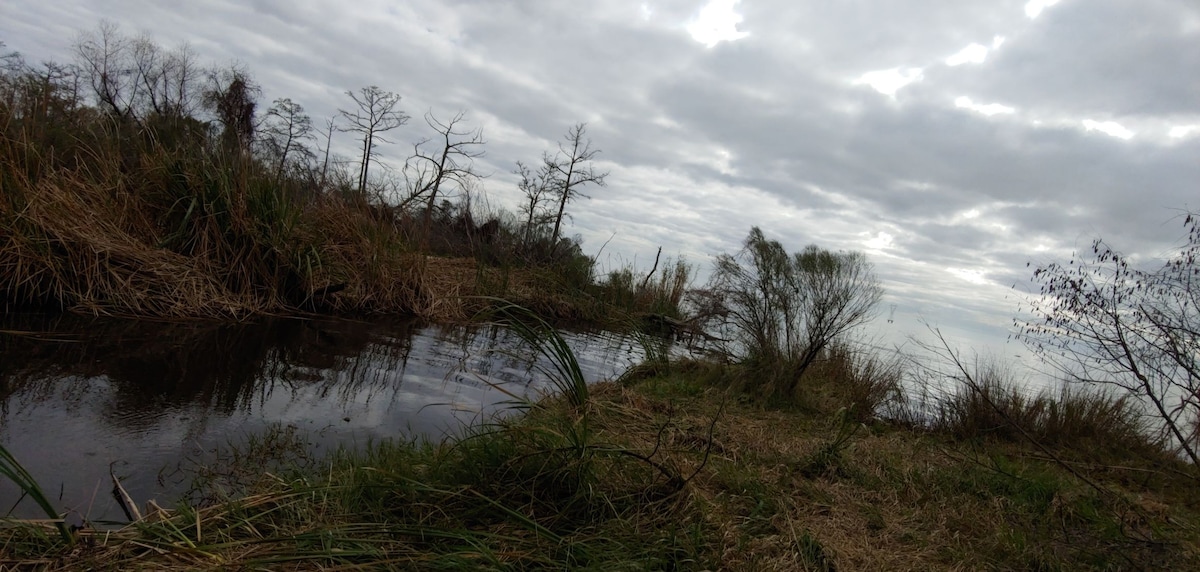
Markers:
717,23
888,82
724,162
880,241
1181,131
972,275
974,53
1108,128
986,109
1034,8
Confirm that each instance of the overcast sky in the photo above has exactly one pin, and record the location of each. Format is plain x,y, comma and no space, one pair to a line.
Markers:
952,140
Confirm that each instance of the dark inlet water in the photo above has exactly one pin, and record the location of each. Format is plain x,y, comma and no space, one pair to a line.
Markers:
78,396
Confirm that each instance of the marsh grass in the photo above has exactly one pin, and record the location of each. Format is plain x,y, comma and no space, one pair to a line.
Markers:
659,292
547,491
987,400
186,233
152,213
862,382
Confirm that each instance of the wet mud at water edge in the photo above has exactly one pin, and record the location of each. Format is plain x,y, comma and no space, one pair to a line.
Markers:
83,399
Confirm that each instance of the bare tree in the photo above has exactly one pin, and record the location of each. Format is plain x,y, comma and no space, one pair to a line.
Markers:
452,162
180,74
571,169
416,177
163,80
376,114
134,78
1102,320
287,128
102,55
783,310
535,186
26,91
330,125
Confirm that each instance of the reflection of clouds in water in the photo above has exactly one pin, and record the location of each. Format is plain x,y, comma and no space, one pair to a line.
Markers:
152,394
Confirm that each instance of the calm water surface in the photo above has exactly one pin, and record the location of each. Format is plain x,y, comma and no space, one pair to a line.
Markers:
80,397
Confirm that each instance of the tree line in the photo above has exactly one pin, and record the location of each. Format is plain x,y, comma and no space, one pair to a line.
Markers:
138,85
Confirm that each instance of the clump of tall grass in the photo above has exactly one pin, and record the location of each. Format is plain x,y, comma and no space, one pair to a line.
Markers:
659,292
986,400
563,369
866,382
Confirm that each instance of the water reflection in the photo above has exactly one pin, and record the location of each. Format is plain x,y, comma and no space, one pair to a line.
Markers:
78,395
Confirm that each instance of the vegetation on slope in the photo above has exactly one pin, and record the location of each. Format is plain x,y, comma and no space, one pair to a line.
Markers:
135,181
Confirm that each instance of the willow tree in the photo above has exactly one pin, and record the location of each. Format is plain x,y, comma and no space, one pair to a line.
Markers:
782,310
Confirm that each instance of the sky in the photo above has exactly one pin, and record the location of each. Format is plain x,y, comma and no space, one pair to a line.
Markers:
952,141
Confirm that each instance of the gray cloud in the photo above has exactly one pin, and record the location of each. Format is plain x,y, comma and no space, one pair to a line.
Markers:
1109,57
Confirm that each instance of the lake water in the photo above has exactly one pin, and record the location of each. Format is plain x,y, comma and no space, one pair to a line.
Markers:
80,397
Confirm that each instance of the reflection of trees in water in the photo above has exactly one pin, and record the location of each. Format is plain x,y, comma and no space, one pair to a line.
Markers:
155,367
158,369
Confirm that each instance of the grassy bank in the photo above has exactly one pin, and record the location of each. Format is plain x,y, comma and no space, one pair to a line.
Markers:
193,201
677,467
176,236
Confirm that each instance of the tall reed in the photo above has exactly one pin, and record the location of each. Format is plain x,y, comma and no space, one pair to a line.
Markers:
15,472
563,370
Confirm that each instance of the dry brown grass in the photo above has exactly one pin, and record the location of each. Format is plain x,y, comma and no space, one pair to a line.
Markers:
72,244
892,499
83,248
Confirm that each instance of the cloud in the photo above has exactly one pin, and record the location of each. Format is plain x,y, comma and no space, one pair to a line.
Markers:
1034,8
984,108
1108,128
716,23
888,82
